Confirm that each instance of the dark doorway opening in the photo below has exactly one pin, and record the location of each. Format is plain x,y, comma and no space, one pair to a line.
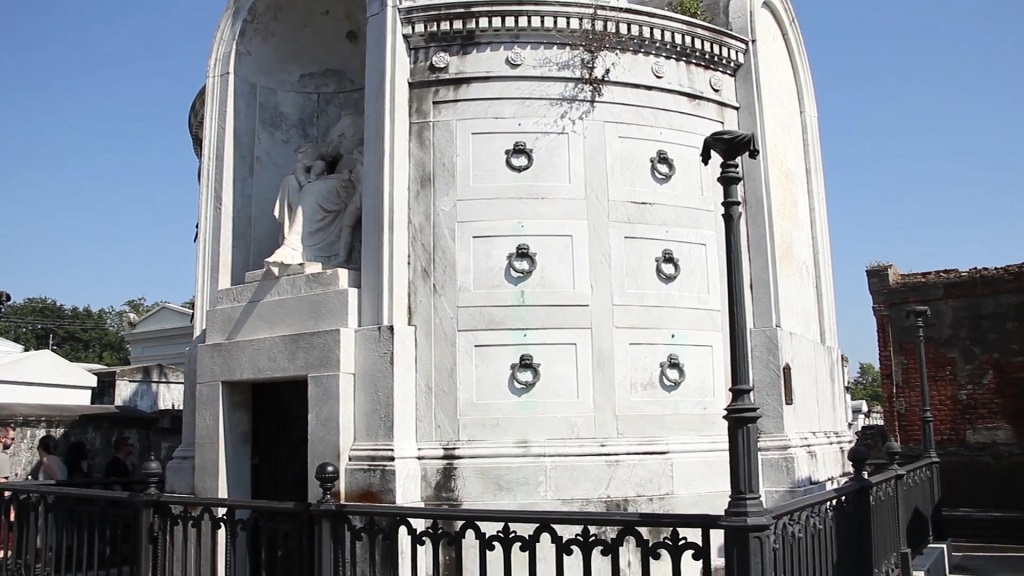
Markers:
280,423
280,541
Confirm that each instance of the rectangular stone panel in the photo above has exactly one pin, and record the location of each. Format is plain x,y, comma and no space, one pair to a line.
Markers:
556,250
649,381
485,149
488,390
635,274
634,176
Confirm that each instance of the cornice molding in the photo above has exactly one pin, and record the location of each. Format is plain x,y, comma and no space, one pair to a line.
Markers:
645,29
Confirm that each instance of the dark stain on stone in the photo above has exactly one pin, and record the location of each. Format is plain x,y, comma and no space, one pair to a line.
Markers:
446,494
445,489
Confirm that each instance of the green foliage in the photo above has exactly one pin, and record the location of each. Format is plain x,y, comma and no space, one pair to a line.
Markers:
190,303
691,8
867,384
78,333
139,306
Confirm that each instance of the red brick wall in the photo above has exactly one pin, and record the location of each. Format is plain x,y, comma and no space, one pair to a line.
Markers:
974,348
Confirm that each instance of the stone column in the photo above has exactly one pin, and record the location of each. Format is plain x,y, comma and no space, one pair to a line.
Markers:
180,475
384,296
181,470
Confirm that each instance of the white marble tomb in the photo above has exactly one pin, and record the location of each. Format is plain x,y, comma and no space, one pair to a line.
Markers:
514,204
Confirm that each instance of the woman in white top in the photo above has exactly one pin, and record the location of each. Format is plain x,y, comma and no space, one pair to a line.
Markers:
51,466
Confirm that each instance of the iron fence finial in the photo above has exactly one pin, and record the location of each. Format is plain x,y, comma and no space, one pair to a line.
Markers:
893,451
153,473
327,475
858,455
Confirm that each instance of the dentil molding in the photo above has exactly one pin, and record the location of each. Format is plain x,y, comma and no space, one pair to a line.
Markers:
449,23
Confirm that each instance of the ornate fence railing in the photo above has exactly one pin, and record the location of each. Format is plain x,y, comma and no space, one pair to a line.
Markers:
59,530
869,526
812,535
375,539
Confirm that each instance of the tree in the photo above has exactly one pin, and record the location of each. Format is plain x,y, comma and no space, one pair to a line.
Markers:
77,333
867,384
190,303
139,306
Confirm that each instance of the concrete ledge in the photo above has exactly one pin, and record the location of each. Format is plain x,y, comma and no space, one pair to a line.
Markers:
321,310
985,559
19,412
277,357
993,527
350,277
265,286
934,561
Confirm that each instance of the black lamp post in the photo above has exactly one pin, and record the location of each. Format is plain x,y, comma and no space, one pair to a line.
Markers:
919,314
747,545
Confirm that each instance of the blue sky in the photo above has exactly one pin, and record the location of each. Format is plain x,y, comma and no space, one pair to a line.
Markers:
918,104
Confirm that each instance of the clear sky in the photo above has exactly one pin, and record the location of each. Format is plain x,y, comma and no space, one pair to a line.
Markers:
919,104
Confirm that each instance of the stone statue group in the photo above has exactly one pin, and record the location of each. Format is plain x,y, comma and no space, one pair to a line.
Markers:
319,205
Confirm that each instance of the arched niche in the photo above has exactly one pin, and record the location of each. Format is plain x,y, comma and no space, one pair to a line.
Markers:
282,74
785,89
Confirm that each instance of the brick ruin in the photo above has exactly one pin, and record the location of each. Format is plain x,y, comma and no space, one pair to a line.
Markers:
975,363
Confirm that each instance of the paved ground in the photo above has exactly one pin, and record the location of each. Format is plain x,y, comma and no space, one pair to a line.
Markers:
986,560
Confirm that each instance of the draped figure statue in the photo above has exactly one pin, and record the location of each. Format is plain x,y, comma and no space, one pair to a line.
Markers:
319,203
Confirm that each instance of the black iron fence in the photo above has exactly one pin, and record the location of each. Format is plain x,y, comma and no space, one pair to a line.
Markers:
868,526
373,539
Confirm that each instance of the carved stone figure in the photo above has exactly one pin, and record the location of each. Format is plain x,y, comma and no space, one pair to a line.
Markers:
319,203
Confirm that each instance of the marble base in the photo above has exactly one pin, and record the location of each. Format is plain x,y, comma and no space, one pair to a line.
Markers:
640,475
796,465
277,306
180,475
350,277
298,326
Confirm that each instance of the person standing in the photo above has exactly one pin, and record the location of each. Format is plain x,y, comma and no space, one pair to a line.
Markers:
51,466
76,459
6,442
118,467
6,524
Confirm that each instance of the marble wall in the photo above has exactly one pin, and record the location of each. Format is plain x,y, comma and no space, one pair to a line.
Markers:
604,425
